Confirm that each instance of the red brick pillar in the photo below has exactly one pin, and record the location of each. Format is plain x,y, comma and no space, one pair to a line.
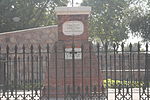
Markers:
72,31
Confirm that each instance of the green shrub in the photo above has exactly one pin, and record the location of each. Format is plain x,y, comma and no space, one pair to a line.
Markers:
125,83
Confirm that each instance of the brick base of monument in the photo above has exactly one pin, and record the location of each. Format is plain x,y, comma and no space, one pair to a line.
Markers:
72,75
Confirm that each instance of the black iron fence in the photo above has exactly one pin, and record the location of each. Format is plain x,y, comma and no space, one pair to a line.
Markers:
76,72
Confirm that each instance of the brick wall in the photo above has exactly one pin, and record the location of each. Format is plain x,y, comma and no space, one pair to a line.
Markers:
35,36
41,35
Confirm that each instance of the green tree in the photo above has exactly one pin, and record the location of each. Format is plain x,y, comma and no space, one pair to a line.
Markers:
109,20
23,14
141,26
140,22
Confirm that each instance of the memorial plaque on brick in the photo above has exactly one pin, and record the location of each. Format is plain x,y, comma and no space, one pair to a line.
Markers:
73,62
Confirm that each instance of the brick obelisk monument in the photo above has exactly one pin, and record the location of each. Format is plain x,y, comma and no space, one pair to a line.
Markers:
73,64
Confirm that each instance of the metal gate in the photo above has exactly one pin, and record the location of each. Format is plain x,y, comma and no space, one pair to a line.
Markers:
120,75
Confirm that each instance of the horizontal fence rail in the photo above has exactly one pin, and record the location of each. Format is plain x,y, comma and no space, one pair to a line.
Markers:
84,72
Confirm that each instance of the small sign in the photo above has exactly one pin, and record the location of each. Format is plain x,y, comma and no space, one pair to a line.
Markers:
69,52
73,28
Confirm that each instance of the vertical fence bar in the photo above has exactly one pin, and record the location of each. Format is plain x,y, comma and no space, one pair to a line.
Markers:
131,69
106,62
4,78
110,70
56,71
12,77
90,54
19,71
48,65
73,70
102,63
36,75
32,72
10,74
37,70
7,71
120,72
64,71
24,94
82,71
114,46
104,71
1,88
147,71
40,68
139,80
15,68
98,55
4,88
123,66
28,72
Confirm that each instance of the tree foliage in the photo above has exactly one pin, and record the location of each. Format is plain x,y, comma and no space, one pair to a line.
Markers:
140,22
109,20
141,26
23,14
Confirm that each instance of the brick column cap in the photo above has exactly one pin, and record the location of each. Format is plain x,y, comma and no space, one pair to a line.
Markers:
73,10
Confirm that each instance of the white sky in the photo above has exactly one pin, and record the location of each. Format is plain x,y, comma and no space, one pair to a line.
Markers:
134,39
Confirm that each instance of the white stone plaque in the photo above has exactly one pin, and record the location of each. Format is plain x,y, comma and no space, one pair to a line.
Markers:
69,53
73,28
